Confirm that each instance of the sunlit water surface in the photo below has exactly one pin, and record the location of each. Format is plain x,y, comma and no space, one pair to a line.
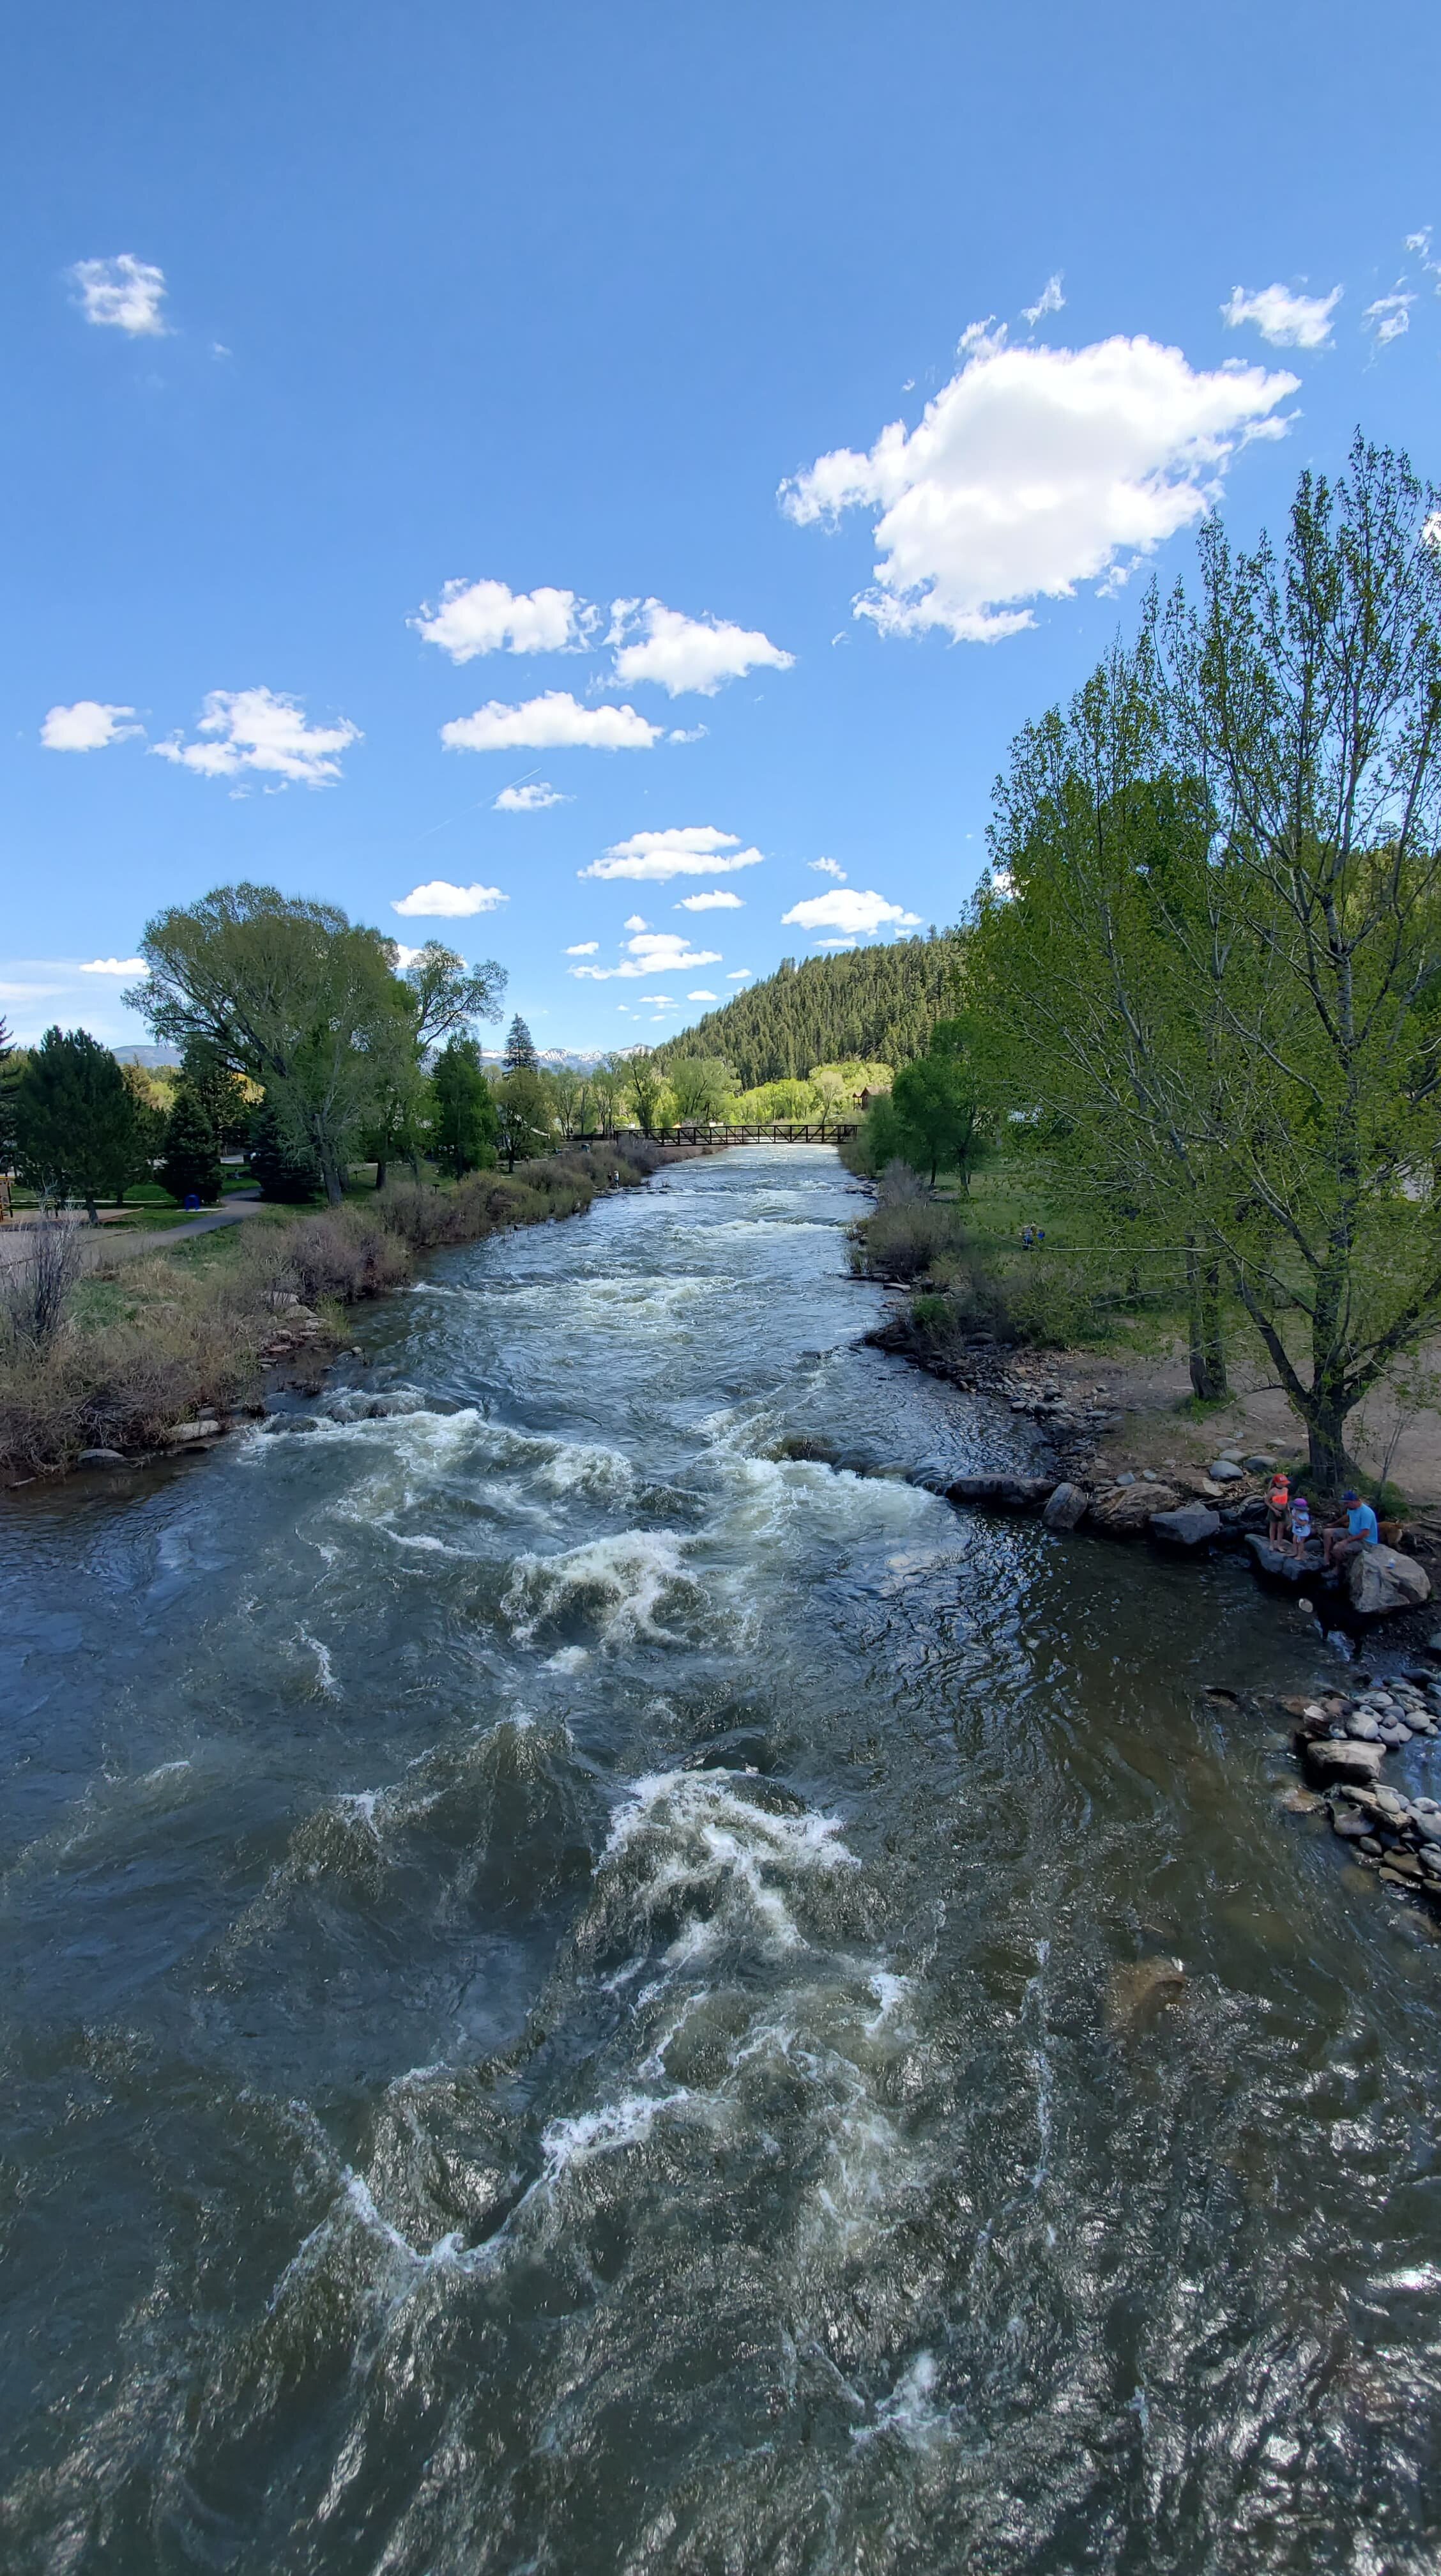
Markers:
570,1984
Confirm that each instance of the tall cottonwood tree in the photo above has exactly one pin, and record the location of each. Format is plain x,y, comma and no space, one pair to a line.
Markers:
1244,1017
287,991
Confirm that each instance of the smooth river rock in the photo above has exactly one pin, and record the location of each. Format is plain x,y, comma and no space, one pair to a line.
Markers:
1344,1760
1381,1579
1126,1510
1224,1471
1066,1508
1192,1526
1008,1493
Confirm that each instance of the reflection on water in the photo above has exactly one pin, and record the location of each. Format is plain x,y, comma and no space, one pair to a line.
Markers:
585,1992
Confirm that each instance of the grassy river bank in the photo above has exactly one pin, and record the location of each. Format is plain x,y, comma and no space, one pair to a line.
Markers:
158,1353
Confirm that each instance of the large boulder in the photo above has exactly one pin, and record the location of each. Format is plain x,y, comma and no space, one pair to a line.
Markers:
1331,1759
1066,1508
1382,1579
1192,1526
1126,1510
1279,1562
1005,1493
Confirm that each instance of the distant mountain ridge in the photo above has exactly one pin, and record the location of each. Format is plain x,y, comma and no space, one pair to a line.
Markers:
879,1004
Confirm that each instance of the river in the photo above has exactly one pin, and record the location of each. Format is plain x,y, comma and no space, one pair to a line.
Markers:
575,1987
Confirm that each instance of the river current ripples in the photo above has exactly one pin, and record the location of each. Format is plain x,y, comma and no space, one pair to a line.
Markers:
576,1990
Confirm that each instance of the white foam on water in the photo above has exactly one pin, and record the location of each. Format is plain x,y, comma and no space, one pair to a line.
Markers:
568,1659
890,1992
622,1582
588,1467
711,1842
325,1671
606,2131
910,2411
162,1771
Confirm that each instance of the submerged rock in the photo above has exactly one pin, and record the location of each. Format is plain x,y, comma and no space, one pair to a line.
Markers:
1381,1580
1136,1994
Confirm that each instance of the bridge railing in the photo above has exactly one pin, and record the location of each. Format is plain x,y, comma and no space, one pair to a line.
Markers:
781,1131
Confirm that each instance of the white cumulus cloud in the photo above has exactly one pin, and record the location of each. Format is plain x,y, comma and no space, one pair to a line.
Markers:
681,653
1287,320
1035,469
440,901
265,730
691,850
833,943
123,294
476,617
530,800
554,722
741,975
115,966
719,900
584,948
87,726
634,922
1050,300
653,952
827,868
1389,317
702,997
849,910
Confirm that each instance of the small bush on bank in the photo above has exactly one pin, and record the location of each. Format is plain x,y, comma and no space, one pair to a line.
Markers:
904,1239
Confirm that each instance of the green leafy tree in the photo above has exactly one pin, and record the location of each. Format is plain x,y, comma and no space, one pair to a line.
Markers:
148,1139
221,1092
464,1124
646,1083
702,1086
191,1168
287,991
520,1049
75,1120
524,1117
449,995
10,1069
935,1110
280,1158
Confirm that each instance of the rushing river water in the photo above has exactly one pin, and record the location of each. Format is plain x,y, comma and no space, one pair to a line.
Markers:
575,1991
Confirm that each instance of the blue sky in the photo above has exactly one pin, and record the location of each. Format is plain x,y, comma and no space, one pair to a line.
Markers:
362,360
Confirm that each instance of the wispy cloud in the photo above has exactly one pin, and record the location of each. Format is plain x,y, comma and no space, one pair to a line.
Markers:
653,952
115,966
1032,470
123,294
261,729
689,850
530,800
686,654
718,900
89,725
1389,317
584,948
440,901
827,868
1282,316
1050,300
553,722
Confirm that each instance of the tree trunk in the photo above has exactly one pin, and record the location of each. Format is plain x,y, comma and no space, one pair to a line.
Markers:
91,1209
381,1168
334,1190
1208,1349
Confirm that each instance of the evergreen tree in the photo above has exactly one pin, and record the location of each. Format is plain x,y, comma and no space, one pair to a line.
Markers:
280,1160
191,1168
10,1073
520,1049
464,1124
221,1093
75,1120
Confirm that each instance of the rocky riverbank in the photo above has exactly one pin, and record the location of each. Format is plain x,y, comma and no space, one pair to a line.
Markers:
1343,1743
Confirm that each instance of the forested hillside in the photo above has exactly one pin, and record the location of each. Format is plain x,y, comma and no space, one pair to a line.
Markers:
871,1002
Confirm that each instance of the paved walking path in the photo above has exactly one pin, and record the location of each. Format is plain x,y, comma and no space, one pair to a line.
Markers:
106,1243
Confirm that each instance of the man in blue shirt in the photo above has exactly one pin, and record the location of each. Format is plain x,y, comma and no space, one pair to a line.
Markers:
1345,1539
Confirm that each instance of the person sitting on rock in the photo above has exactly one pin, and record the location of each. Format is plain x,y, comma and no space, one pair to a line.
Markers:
1278,1510
1345,1539
1300,1526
